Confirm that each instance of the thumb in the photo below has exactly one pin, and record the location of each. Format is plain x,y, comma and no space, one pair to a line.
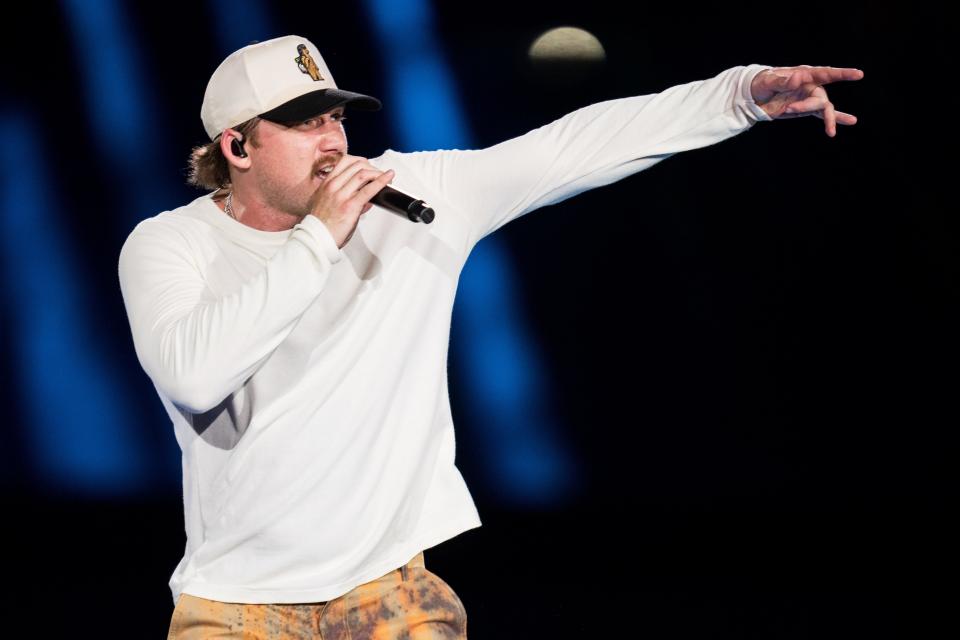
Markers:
791,80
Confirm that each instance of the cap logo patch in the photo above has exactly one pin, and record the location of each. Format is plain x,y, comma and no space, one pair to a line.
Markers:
306,63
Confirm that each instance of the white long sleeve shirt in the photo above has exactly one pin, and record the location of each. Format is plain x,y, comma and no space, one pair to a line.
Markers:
307,384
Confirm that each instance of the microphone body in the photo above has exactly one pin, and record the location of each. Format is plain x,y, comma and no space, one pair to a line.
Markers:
403,204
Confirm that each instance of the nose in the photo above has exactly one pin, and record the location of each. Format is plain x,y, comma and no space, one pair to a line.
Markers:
335,141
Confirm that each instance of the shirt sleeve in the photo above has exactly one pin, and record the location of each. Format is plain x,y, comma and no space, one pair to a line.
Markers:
590,147
198,349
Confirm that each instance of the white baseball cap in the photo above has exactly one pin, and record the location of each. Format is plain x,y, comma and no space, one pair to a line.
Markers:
282,79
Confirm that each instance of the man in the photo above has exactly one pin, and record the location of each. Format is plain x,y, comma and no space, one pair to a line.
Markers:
297,334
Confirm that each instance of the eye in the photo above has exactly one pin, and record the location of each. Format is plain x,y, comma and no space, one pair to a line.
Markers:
312,123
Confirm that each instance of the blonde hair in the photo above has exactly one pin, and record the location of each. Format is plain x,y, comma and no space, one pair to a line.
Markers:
208,169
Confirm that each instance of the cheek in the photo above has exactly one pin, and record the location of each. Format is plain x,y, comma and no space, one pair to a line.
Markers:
301,160
288,167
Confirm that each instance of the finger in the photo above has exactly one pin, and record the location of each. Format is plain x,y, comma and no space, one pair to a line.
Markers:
346,174
830,119
374,186
362,178
811,103
846,118
345,162
841,117
826,75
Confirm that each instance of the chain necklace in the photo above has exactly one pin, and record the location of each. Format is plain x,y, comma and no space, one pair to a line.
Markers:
228,206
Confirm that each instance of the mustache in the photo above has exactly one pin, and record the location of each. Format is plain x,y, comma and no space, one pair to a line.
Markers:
334,159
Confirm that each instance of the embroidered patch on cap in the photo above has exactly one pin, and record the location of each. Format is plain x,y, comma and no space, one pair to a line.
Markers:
306,63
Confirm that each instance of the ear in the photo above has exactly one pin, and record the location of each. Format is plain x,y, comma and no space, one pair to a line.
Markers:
231,142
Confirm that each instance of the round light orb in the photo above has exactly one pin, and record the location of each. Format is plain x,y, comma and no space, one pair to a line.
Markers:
567,44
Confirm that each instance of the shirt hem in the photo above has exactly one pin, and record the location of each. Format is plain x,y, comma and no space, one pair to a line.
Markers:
240,595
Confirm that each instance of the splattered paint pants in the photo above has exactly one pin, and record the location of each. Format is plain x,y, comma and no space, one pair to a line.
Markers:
410,603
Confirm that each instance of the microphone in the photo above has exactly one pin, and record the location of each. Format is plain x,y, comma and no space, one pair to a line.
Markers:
403,204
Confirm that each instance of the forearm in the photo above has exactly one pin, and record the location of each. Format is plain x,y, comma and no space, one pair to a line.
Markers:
590,147
196,348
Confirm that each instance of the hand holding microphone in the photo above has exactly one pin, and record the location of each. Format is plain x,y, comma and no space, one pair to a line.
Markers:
351,189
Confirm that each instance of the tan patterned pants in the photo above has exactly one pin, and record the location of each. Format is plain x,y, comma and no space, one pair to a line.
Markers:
409,602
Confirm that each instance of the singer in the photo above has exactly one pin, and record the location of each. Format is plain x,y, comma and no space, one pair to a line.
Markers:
296,326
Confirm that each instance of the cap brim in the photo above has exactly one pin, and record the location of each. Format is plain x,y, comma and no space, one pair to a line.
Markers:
310,104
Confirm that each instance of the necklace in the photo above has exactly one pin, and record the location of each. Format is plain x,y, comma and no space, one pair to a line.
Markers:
228,206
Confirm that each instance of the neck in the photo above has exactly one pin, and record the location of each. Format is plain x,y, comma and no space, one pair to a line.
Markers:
257,215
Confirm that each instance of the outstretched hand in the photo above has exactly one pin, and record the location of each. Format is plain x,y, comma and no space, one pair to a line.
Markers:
794,92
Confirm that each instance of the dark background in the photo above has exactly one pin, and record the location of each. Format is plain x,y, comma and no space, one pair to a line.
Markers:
752,345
